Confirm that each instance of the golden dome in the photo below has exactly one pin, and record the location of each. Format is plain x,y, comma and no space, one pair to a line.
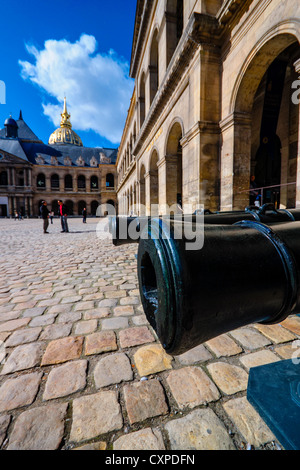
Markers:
64,134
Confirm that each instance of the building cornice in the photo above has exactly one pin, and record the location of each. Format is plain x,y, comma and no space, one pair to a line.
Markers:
201,30
142,18
130,170
128,123
228,10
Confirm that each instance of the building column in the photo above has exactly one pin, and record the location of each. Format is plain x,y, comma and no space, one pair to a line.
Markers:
148,193
30,177
200,167
162,184
29,212
48,183
235,161
13,176
297,68
75,183
137,189
11,206
10,178
31,206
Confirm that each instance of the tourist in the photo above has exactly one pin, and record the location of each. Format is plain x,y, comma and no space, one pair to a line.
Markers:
45,216
63,213
84,214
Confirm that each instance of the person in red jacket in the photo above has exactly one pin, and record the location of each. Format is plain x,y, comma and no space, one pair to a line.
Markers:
63,213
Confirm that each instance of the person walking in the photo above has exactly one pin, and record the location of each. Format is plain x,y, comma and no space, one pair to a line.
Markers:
84,214
45,216
51,217
63,213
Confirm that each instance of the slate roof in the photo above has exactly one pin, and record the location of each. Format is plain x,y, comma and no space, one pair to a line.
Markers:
24,132
13,147
36,150
29,147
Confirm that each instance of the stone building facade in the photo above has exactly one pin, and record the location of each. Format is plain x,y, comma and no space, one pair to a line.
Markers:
213,105
63,169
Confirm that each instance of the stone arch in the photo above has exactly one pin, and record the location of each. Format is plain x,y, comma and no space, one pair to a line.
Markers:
174,191
94,182
40,181
174,25
110,180
154,66
55,181
256,65
237,128
176,128
81,206
81,182
94,207
70,205
68,183
142,99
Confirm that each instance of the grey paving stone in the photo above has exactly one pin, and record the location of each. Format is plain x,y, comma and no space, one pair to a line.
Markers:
39,429
144,400
4,423
56,331
23,336
199,430
19,391
94,415
23,357
145,439
66,380
112,369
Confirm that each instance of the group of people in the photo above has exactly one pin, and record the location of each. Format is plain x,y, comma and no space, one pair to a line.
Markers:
18,216
63,213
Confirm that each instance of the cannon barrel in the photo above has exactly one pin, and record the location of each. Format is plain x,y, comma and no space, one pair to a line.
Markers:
244,274
126,230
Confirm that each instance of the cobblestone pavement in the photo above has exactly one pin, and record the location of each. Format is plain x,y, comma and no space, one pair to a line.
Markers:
82,369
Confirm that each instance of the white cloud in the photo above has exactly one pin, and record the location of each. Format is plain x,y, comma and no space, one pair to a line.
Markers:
97,86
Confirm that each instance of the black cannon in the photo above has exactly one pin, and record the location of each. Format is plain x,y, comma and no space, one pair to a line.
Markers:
127,230
244,274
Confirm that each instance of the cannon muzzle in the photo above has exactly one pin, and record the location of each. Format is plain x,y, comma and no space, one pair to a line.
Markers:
244,274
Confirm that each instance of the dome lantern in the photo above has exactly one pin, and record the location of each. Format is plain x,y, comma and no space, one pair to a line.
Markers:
64,134
11,128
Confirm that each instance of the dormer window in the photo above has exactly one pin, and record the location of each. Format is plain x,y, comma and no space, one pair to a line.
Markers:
93,162
80,161
67,161
39,160
104,158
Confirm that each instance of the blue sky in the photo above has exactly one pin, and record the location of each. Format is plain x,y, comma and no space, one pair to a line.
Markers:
77,48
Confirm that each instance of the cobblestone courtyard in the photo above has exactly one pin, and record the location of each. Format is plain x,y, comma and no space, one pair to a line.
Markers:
82,369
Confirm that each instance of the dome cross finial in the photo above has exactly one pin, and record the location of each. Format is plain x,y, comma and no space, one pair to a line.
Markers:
65,122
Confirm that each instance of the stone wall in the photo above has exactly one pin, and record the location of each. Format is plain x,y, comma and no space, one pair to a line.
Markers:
204,119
